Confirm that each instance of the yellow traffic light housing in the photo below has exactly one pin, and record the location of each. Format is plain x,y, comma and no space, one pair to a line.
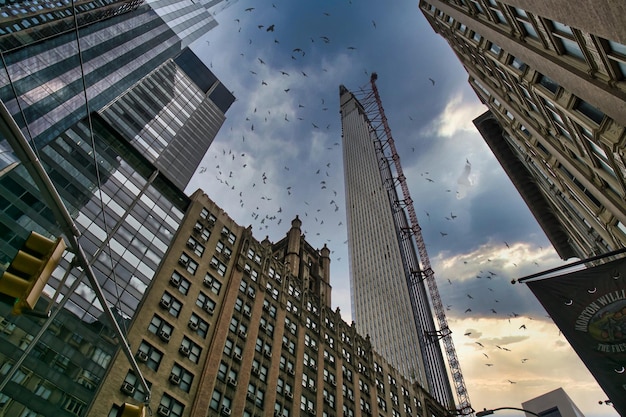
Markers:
132,410
29,271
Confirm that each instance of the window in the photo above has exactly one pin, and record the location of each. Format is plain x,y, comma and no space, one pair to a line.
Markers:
307,405
169,403
194,350
230,236
205,302
171,304
220,247
150,355
161,328
548,83
132,387
73,405
213,283
566,41
525,22
218,265
518,64
198,325
181,377
289,345
588,110
616,53
189,264
204,233
178,281
195,246
329,357
266,326
494,48
270,308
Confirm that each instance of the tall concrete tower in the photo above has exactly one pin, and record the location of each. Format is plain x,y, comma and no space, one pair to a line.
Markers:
389,297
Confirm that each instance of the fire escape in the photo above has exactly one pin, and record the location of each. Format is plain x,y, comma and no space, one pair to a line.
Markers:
421,283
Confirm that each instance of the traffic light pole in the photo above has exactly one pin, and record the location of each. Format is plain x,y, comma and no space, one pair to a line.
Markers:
11,131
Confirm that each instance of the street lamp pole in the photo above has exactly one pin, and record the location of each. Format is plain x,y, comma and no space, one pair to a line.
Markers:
486,412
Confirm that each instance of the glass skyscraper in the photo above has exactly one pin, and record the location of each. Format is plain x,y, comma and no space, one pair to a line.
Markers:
126,200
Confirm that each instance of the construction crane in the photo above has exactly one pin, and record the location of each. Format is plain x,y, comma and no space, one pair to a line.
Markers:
419,270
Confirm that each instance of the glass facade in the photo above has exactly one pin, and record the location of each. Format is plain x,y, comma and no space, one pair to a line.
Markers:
169,118
120,197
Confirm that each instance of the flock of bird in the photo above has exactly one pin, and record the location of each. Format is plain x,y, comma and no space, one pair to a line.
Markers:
288,80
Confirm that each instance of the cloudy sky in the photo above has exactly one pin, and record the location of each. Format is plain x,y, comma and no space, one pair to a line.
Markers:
279,155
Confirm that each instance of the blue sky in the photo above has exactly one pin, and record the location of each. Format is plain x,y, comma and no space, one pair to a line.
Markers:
279,155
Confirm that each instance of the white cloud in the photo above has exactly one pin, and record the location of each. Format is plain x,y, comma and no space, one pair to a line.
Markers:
457,116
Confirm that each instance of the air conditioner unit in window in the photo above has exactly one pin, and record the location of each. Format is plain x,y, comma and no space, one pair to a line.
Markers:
183,262
191,245
165,336
209,309
266,307
163,411
224,232
251,294
290,371
165,303
184,350
277,413
175,282
243,334
174,379
213,265
193,325
226,255
267,353
311,411
127,388
289,394
197,228
142,356
250,395
225,411
263,327
207,282
247,313
232,382
246,271
255,370
237,357
314,347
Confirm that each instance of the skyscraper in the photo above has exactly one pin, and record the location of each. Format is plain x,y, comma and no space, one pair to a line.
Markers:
126,202
390,302
553,80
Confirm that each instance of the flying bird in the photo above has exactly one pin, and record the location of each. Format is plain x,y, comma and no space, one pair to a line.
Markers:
249,9
432,81
270,28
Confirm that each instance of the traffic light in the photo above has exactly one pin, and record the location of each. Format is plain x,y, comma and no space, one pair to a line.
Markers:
29,271
131,410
